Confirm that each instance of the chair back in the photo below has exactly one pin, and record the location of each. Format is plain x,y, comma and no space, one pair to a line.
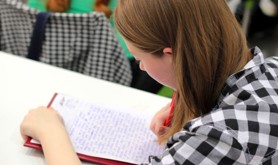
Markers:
85,43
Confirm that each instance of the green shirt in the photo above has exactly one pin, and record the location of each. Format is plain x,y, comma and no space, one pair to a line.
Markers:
83,6
76,6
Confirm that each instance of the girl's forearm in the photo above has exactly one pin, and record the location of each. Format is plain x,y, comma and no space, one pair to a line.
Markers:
58,149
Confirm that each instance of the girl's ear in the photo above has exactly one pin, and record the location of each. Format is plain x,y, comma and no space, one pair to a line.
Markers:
167,51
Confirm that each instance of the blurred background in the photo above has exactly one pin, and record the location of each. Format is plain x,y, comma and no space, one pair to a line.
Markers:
259,20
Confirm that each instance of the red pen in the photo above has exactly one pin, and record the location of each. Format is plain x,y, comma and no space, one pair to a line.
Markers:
167,121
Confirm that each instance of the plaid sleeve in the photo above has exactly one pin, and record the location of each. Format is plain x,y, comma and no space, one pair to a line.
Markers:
208,145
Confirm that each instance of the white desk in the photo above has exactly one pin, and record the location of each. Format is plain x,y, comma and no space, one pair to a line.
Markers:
26,84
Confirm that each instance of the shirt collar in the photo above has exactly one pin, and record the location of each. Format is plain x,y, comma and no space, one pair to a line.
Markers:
258,58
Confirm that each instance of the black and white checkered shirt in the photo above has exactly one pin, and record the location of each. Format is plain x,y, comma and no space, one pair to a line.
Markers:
85,43
241,129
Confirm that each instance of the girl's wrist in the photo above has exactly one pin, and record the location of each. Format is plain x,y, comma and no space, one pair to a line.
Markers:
55,133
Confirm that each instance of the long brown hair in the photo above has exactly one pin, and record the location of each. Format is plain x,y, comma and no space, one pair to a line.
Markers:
207,42
63,5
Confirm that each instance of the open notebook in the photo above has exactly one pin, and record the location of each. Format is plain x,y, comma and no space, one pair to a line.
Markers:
103,134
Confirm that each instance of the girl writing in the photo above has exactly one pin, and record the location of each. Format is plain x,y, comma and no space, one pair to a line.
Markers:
225,107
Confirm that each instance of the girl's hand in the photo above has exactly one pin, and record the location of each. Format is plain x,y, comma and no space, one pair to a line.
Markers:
157,123
46,126
41,122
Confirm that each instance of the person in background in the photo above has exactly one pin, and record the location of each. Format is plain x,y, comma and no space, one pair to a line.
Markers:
74,6
224,110
141,80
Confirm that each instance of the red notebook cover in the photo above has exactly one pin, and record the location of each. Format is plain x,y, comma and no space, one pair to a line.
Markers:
83,157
